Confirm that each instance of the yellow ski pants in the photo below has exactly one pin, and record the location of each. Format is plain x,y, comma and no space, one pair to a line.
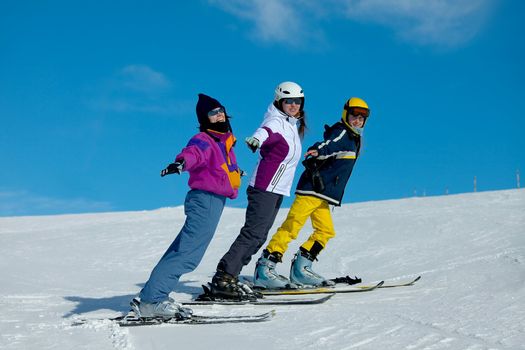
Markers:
304,207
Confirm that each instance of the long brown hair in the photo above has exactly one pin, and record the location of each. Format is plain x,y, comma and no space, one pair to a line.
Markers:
302,124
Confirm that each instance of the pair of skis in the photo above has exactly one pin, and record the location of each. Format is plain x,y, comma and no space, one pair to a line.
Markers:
131,320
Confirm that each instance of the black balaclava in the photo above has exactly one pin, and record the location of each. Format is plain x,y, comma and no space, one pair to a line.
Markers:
206,104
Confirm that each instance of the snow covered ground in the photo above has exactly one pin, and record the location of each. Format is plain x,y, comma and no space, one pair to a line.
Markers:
469,250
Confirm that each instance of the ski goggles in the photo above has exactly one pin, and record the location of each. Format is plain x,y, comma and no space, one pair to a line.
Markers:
296,101
358,111
215,111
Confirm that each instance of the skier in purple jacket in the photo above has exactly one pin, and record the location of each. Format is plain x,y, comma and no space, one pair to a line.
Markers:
279,140
214,176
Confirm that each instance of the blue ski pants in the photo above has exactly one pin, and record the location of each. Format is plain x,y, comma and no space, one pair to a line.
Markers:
203,211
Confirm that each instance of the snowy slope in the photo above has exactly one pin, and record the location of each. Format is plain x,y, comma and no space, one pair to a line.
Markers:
470,250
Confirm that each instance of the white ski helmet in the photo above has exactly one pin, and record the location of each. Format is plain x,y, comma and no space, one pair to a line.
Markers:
288,89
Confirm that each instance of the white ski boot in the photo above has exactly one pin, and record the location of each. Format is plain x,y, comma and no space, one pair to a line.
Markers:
265,275
166,309
301,272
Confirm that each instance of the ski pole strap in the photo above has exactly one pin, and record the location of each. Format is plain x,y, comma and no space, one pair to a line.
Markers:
347,279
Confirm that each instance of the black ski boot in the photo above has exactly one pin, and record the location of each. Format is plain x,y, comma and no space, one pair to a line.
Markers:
224,286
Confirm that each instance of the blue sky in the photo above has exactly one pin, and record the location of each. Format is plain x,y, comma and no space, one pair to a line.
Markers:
97,97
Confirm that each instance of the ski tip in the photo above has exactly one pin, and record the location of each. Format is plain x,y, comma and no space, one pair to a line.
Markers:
325,298
380,284
267,315
328,296
413,281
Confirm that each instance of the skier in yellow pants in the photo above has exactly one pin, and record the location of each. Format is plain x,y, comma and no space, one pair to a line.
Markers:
304,207
329,165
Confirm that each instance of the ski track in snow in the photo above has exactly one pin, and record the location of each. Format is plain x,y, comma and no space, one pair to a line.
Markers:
469,249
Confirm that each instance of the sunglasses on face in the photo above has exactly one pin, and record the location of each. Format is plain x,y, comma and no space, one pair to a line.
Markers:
215,111
296,101
358,111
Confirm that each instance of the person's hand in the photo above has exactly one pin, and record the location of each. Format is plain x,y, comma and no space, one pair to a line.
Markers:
253,143
173,168
312,153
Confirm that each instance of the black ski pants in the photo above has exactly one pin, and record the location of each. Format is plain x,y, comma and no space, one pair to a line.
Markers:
260,215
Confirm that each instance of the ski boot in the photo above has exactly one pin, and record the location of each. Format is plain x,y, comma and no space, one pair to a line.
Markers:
301,272
265,275
165,310
225,286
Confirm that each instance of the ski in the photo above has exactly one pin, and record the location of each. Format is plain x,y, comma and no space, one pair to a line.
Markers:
322,290
340,288
131,320
263,301
402,284
386,285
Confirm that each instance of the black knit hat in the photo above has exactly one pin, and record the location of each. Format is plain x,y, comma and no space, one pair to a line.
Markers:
204,105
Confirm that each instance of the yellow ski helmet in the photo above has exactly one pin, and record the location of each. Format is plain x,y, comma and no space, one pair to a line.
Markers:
359,104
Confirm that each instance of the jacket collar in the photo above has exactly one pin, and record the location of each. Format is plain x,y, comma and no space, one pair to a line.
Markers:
356,131
221,136
275,112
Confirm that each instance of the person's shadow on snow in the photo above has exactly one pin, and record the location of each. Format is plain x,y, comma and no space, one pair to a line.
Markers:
120,303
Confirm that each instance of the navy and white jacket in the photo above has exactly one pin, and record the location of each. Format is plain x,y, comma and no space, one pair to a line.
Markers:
337,156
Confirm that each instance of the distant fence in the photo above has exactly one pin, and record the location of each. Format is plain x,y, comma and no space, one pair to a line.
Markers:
423,193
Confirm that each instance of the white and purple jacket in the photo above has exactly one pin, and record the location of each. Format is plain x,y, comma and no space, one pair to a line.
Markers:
280,152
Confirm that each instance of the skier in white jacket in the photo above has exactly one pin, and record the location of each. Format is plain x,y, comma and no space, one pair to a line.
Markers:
280,152
279,140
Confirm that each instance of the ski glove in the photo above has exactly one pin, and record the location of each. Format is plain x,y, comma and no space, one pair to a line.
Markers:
173,168
312,167
252,143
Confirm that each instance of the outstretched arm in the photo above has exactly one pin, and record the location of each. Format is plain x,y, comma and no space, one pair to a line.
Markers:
173,168
333,146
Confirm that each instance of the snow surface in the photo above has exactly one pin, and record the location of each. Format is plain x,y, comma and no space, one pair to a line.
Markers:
469,250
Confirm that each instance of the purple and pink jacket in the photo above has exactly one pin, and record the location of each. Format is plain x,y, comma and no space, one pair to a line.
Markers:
280,152
211,162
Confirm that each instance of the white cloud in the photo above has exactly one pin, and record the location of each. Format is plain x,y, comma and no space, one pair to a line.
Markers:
274,20
15,203
428,22
138,88
422,22
143,78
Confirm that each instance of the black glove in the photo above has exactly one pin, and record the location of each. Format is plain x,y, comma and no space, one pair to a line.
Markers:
253,143
310,163
347,279
312,167
173,168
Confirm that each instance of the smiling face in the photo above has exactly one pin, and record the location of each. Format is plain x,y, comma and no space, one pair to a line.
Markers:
292,106
217,115
357,121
